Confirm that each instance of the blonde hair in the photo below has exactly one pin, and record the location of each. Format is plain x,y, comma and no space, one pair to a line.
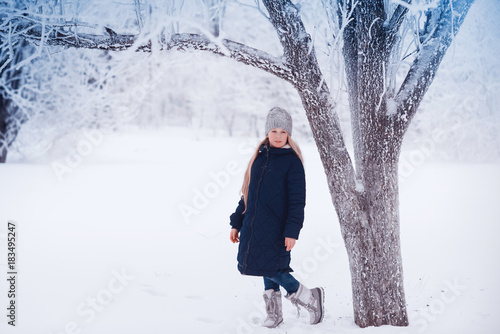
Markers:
248,173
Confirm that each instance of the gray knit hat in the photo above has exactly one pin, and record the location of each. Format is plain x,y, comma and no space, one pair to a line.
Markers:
279,118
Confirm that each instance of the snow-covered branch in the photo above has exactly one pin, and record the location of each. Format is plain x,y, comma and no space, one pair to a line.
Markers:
394,23
112,41
426,63
237,51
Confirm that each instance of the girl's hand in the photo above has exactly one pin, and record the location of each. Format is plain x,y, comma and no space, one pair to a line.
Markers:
234,235
289,243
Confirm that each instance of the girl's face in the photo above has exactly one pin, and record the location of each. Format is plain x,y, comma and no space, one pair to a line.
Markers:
278,137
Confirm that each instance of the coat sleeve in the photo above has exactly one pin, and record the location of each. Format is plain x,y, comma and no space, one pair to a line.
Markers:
296,187
237,217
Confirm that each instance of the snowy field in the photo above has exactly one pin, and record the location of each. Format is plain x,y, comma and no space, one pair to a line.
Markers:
134,239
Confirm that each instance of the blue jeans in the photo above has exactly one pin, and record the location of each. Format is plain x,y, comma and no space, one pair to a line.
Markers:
283,278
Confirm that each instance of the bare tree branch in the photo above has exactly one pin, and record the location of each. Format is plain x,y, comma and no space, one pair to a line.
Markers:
393,25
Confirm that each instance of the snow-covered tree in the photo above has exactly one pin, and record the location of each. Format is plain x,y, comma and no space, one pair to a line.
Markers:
13,52
391,51
11,116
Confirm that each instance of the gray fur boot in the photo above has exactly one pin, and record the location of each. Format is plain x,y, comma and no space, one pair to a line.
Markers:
312,300
273,309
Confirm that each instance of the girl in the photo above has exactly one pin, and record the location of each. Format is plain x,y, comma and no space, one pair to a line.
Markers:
269,217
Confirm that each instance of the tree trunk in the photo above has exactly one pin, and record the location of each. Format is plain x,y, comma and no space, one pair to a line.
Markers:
3,154
375,253
369,220
374,245
3,129
366,201
10,115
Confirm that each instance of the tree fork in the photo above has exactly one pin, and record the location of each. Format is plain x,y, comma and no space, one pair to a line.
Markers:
361,215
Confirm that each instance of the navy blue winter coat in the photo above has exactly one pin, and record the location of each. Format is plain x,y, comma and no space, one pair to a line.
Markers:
276,201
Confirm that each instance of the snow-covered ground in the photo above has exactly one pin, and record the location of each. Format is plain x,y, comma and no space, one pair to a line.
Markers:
134,239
